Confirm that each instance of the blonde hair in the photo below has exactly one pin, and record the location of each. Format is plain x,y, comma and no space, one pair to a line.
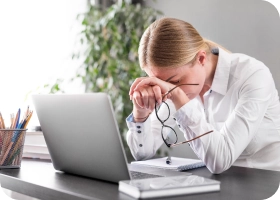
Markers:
170,42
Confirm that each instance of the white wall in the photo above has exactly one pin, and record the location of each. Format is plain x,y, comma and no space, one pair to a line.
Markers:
37,39
244,26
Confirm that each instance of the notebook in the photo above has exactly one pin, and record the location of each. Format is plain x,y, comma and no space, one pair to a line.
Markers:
168,186
82,136
180,164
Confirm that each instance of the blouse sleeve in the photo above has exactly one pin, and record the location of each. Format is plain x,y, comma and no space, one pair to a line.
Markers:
144,139
221,148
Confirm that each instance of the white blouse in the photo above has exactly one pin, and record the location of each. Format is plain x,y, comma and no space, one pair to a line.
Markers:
243,110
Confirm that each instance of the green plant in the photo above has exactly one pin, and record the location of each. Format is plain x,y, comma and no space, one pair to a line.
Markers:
110,38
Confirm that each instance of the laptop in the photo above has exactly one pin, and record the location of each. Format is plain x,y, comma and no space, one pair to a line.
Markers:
83,138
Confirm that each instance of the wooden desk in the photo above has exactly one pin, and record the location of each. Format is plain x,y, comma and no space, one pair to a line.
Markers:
39,179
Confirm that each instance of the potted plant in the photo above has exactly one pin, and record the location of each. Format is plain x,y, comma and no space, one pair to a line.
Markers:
110,38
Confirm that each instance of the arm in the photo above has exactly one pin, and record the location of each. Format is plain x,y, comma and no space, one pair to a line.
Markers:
149,136
220,149
144,135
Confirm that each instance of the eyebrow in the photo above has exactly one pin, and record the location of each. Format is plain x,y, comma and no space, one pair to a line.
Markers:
170,78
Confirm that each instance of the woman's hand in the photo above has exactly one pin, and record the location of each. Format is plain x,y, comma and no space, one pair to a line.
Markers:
162,87
146,91
144,100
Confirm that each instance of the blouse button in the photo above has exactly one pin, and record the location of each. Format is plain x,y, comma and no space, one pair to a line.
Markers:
140,145
138,131
138,126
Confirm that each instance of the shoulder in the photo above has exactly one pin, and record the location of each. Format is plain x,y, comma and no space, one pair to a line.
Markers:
244,67
251,76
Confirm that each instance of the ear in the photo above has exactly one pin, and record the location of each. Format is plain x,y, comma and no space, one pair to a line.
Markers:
201,57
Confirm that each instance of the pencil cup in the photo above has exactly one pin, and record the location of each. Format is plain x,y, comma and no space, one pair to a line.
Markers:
11,147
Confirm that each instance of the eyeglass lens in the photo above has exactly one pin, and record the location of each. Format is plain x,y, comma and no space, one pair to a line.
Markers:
169,135
163,111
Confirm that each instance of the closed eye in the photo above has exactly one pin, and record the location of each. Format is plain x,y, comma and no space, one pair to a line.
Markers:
174,82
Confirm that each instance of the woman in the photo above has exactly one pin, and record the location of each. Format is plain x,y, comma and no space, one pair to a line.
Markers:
226,102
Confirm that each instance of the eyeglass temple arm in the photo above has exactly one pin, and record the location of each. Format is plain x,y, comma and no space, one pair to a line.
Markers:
173,145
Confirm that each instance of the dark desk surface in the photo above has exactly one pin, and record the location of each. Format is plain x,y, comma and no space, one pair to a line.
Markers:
40,180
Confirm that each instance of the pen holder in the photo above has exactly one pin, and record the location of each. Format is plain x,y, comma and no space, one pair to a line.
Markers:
11,147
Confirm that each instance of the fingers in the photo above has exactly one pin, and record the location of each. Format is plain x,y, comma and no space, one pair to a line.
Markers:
145,98
148,97
149,81
134,84
142,81
148,91
137,100
157,93
146,81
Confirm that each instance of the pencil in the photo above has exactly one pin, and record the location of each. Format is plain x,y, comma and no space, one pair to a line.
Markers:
12,120
14,126
10,147
28,119
2,126
15,138
1,133
2,121
6,153
17,145
6,139
27,111
16,160
17,118
13,159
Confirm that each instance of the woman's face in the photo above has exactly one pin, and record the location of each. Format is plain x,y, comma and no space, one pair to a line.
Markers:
194,74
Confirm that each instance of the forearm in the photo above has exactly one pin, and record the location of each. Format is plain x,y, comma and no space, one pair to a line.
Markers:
150,136
213,149
219,149
141,140
179,98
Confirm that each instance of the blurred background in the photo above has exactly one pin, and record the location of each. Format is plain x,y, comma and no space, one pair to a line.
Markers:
78,46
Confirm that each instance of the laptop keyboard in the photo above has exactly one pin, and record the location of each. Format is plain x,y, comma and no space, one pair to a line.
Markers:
141,175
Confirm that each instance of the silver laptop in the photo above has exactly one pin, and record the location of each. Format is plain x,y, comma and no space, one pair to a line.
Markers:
83,138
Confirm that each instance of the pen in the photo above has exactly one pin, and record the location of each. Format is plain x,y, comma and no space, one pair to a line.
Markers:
168,160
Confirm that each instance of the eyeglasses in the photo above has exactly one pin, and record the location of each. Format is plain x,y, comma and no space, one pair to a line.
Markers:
168,134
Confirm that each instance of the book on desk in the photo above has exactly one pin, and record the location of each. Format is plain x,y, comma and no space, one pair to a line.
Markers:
35,145
168,186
